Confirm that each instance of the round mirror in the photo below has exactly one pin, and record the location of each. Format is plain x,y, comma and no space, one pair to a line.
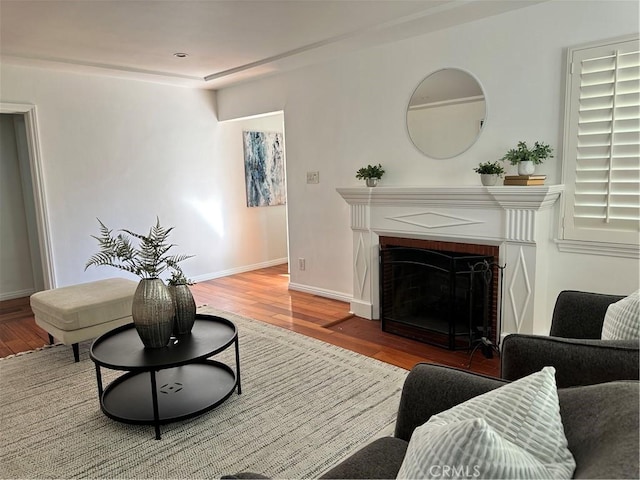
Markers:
446,113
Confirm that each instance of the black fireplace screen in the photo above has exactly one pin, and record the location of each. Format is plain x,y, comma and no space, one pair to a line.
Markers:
437,297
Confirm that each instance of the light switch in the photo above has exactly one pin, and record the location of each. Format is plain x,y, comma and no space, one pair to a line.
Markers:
313,177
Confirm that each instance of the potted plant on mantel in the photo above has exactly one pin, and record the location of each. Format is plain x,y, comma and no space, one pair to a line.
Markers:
153,308
526,159
371,174
489,172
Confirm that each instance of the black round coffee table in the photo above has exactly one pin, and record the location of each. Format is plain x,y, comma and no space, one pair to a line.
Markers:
168,384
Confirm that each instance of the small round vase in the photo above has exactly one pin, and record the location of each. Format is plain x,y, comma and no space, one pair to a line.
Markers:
488,179
153,312
185,307
526,168
372,182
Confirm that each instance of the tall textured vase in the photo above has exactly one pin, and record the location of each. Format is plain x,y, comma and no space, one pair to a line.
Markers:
185,307
153,312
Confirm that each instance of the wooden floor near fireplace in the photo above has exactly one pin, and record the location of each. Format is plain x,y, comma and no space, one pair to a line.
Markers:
264,295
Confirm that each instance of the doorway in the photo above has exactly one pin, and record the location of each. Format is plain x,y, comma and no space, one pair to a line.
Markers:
268,223
24,236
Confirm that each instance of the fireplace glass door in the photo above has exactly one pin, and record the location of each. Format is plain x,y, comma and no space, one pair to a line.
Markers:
437,297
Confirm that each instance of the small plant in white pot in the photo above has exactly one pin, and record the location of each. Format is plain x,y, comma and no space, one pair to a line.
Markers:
489,172
371,174
527,158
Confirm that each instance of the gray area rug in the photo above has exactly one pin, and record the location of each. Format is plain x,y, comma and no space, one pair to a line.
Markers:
305,405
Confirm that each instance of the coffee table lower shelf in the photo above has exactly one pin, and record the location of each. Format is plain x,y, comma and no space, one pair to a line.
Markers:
182,392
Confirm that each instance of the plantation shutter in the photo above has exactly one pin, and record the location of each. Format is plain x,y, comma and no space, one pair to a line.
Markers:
602,170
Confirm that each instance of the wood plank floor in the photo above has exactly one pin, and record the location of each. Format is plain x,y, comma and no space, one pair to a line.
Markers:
264,295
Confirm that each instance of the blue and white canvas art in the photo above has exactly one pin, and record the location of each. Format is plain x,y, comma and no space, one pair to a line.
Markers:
264,169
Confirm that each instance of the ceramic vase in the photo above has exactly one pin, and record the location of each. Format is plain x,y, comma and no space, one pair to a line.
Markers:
526,168
185,308
153,312
372,182
488,179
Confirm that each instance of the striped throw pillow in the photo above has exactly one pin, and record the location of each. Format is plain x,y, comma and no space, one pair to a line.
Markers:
514,431
622,320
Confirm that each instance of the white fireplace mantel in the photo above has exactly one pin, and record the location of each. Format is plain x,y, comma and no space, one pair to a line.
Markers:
516,219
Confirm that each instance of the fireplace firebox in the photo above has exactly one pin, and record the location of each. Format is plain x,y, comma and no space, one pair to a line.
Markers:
441,297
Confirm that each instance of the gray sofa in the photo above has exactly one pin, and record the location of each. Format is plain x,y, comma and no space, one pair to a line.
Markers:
573,346
600,416
600,422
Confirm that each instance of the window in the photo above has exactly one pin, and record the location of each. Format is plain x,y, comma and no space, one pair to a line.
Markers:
601,169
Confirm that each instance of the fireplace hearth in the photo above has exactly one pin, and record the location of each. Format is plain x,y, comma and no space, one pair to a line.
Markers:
440,297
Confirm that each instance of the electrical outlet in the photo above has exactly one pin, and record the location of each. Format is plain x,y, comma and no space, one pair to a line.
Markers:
313,177
301,264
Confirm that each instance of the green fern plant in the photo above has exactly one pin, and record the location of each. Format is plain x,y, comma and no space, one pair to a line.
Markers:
178,277
489,168
149,259
370,171
539,153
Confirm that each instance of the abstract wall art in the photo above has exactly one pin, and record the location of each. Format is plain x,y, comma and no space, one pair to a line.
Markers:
264,168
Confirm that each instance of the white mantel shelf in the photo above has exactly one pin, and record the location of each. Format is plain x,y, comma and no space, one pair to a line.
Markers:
522,197
515,218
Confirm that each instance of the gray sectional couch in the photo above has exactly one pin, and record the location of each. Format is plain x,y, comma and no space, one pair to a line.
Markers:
600,421
598,390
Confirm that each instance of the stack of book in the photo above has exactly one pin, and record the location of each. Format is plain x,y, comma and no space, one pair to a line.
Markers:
524,179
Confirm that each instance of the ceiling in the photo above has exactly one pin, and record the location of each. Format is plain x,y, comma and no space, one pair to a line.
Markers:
227,41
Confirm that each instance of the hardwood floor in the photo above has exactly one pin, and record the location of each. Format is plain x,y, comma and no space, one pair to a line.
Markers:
18,329
264,295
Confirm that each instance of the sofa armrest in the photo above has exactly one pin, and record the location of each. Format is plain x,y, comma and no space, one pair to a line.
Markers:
577,362
431,389
580,314
601,426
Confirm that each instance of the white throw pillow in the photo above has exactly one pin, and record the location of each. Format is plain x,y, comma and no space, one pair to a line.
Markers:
514,431
622,320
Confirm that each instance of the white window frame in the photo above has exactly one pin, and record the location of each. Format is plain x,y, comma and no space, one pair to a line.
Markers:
609,239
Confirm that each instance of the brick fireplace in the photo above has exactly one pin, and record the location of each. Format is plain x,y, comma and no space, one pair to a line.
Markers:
514,221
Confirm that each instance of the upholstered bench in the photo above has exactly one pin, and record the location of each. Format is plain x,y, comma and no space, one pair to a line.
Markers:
82,312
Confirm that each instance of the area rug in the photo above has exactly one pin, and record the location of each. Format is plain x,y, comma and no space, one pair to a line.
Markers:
305,406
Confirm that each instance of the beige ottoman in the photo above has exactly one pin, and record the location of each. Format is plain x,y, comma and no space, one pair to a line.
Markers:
82,312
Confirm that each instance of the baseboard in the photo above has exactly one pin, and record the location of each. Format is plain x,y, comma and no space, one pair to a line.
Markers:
362,309
320,292
244,268
17,294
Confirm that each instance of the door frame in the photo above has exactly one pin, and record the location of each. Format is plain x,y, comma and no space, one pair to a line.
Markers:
29,114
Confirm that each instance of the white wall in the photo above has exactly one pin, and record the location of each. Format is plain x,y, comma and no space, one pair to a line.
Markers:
349,112
125,151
